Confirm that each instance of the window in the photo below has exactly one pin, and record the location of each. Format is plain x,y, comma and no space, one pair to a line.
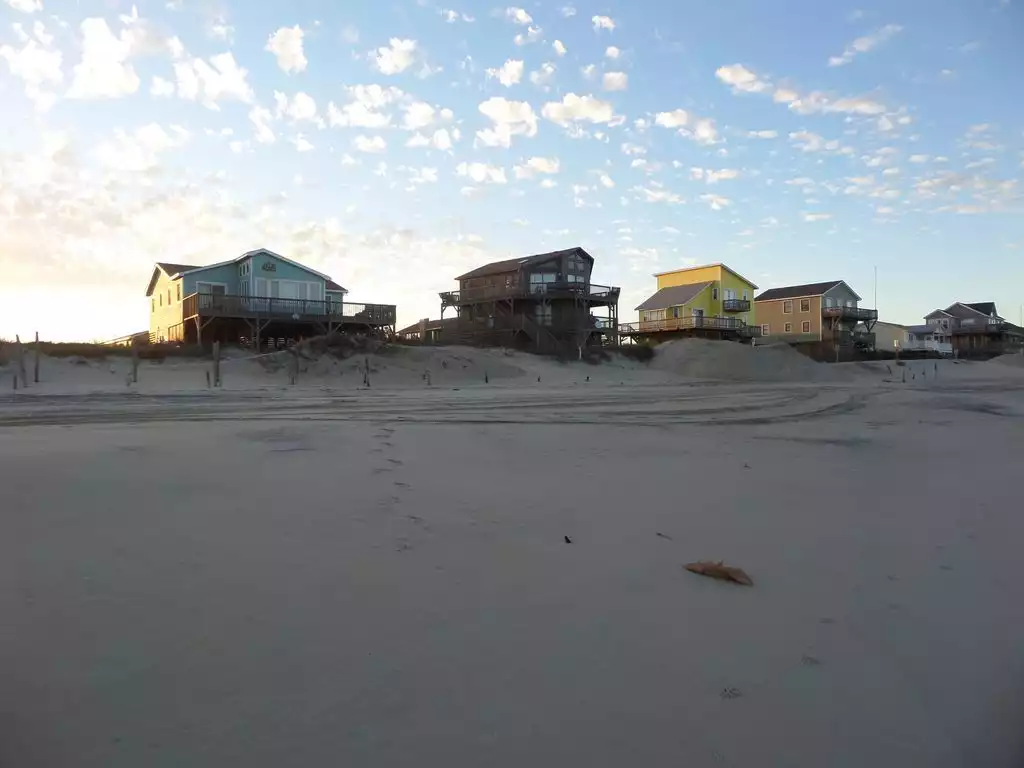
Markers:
217,289
787,307
805,326
746,295
152,305
788,328
161,298
766,329
543,314
577,263
714,294
805,305
179,291
539,281
168,297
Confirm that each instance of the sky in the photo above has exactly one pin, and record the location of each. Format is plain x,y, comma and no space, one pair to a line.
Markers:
394,145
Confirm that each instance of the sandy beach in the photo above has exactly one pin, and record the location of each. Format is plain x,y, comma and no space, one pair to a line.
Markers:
328,574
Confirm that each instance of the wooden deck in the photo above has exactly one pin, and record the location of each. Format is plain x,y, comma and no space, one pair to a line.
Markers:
593,294
207,305
724,325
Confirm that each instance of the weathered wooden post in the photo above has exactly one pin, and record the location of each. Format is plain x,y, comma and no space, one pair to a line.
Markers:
35,373
21,360
135,363
216,363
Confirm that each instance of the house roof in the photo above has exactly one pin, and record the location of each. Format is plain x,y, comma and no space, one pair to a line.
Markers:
923,329
675,296
511,265
333,286
432,325
801,291
705,266
985,307
964,311
172,269
937,313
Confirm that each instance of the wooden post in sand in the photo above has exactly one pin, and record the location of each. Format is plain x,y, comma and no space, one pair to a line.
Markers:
21,360
216,363
35,376
135,363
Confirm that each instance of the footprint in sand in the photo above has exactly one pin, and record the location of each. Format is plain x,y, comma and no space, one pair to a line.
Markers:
826,620
731,693
809,661
382,470
396,462
400,484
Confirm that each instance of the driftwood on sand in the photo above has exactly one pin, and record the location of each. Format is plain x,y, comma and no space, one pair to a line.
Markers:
720,571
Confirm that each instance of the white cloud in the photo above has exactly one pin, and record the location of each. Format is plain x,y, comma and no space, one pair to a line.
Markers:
578,108
864,44
302,144
559,47
762,134
536,165
544,75
139,151
699,129
396,57
350,34
532,36
919,158
364,107
104,71
801,181
286,45
453,16
716,202
606,180
418,115
602,22
741,79
482,173
261,119
549,184
656,193
441,139
509,73
568,11
612,52
885,124
589,71
518,16
713,177
615,81
371,144
811,217
211,82
26,6
219,29
300,107
38,66
161,87
510,118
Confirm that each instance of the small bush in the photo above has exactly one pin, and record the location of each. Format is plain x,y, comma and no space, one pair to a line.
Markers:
640,352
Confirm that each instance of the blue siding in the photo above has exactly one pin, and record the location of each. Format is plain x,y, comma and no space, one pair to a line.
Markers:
283,270
227,274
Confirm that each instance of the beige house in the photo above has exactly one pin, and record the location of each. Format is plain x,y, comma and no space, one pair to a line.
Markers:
815,312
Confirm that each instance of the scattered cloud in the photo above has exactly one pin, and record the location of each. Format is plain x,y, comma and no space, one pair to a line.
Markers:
716,202
559,47
509,118
864,44
537,165
615,81
612,52
441,139
575,108
568,11
602,22
482,173
811,217
699,129
543,76
518,16
365,106
286,45
743,80
509,73
532,35
396,57
370,144
26,6
762,134
37,64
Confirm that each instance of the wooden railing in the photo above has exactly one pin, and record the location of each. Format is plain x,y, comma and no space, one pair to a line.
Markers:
223,305
736,305
685,323
558,290
850,313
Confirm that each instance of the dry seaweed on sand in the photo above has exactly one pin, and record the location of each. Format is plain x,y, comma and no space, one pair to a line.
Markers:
720,571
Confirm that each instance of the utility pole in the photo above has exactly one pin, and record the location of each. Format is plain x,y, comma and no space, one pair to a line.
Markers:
876,287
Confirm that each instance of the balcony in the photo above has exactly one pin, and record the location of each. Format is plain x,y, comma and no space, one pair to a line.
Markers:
736,305
300,310
856,314
689,323
561,290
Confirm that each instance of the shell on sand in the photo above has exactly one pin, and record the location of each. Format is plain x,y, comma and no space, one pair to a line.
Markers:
720,571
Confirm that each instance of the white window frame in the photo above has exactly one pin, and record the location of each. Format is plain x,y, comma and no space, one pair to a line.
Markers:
211,283
766,329
808,324
787,328
802,310
787,311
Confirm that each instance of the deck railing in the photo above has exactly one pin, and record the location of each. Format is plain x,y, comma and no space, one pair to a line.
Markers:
686,323
557,290
224,305
736,305
850,313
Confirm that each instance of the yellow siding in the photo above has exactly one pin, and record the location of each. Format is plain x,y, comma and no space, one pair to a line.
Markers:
721,280
733,283
690,276
165,313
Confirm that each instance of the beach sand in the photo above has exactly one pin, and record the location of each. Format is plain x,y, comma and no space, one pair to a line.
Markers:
324,574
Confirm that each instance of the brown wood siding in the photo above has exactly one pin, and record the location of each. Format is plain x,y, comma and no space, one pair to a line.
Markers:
771,313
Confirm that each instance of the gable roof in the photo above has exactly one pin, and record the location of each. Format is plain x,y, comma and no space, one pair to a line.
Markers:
330,285
169,269
936,313
172,269
963,311
675,296
801,291
511,265
705,266
985,307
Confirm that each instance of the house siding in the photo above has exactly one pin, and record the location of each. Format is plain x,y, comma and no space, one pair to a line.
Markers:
722,280
165,315
226,274
890,337
771,313
841,296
